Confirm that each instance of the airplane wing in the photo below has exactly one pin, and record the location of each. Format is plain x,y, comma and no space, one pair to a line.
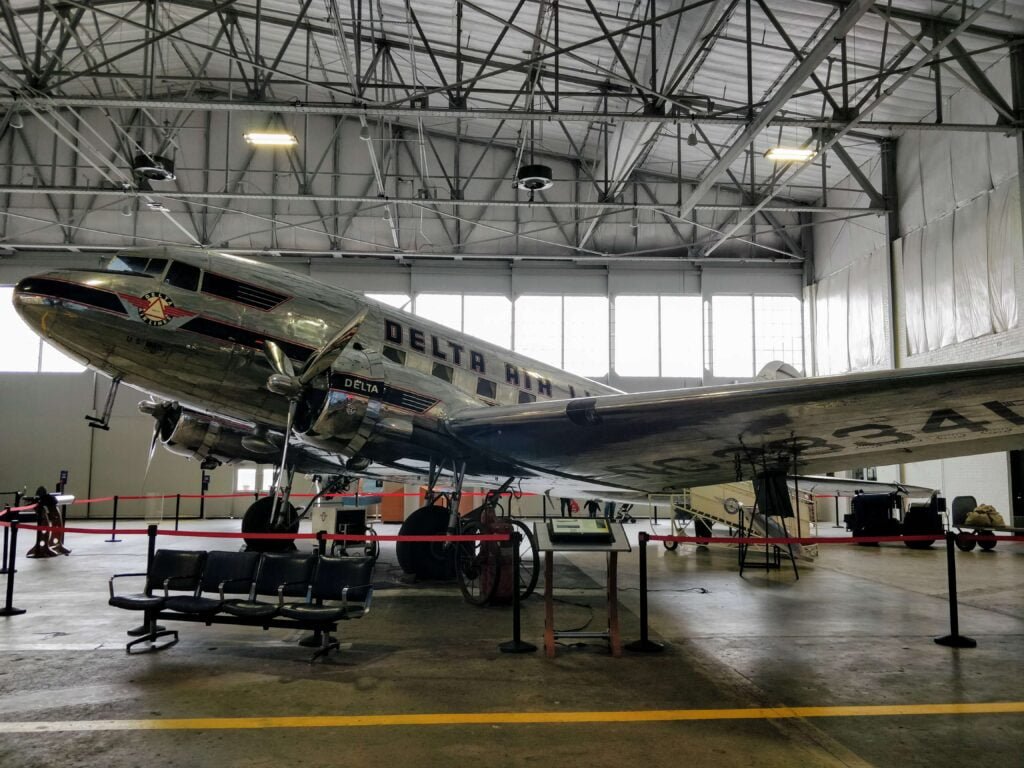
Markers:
662,442
848,486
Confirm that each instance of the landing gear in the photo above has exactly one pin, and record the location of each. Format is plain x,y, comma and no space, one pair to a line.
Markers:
483,568
427,559
258,519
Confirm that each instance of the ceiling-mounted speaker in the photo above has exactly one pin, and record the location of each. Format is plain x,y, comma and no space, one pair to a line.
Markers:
153,167
534,178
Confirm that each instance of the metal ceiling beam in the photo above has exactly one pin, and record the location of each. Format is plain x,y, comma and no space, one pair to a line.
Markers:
198,105
926,60
634,139
925,18
876,198
288,197
846,21
981,82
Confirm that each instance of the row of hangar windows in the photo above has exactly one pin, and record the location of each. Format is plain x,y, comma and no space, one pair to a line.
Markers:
666,336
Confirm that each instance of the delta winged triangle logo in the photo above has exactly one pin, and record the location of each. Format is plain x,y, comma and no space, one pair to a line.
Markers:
153,309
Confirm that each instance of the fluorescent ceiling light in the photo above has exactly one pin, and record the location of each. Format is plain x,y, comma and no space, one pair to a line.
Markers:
271,139
789,154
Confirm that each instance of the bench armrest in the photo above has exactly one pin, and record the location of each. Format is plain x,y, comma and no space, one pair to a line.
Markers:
120,576
281,588
220,587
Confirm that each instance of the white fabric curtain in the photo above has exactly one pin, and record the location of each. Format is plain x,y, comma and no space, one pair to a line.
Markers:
878,268
937,283
970,270
1005,248
913,293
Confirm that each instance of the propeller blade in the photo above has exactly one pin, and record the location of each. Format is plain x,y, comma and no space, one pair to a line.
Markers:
327,354
293,406
278,360
152,450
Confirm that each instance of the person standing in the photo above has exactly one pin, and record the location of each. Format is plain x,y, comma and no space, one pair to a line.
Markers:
592,507
566,506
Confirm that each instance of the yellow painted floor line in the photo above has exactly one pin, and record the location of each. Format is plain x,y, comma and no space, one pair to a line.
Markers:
510,718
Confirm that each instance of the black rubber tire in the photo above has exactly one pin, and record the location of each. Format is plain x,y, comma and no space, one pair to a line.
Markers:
963,543
477,566
671,546
429,561
702,528
529,560
257,520
919,544
986,546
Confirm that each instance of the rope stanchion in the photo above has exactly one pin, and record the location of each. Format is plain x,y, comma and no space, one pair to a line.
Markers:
177,510
113,527
644,644
9,609
516,644
3,561
954,639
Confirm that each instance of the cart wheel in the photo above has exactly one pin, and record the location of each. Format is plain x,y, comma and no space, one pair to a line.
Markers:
963,542
986,546
372,548
477,565
671,545
529,560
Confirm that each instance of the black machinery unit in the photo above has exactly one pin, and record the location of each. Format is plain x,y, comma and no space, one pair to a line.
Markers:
872,515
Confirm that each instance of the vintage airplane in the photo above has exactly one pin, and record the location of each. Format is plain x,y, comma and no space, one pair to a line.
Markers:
247,360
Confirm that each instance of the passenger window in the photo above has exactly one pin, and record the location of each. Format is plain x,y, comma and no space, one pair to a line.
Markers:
443,372
243,293
526,397
182,275
395,355
487,389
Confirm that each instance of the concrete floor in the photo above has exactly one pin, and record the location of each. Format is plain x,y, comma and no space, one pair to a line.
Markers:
855,631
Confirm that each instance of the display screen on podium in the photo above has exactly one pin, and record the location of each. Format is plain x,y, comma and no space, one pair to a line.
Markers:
594,530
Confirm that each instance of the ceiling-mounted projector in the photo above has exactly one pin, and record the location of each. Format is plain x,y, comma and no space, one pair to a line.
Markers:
153,167
534,178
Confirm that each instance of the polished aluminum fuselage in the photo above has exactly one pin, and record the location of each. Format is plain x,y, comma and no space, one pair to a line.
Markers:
386,395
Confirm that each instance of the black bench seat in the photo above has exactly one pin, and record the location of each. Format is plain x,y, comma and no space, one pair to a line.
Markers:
225,573
334,589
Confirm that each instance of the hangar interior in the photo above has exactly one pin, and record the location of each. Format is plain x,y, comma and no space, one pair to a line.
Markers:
584,182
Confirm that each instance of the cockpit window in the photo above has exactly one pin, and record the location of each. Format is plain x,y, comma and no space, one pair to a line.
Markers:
182,275
139,265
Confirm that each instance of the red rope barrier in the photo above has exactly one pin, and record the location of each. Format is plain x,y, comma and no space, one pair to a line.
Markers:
820,539
498,537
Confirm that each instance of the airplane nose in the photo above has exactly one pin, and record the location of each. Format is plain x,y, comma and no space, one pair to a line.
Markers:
26,298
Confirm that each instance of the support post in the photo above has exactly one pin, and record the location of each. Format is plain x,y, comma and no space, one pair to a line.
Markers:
954,639
113,527
3,561
516,644
12,554
644,644
177,509
145,628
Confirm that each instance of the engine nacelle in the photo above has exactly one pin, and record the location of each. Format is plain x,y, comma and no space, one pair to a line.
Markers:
216,441
200,436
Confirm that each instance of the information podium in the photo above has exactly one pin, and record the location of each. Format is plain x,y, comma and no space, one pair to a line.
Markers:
582,543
